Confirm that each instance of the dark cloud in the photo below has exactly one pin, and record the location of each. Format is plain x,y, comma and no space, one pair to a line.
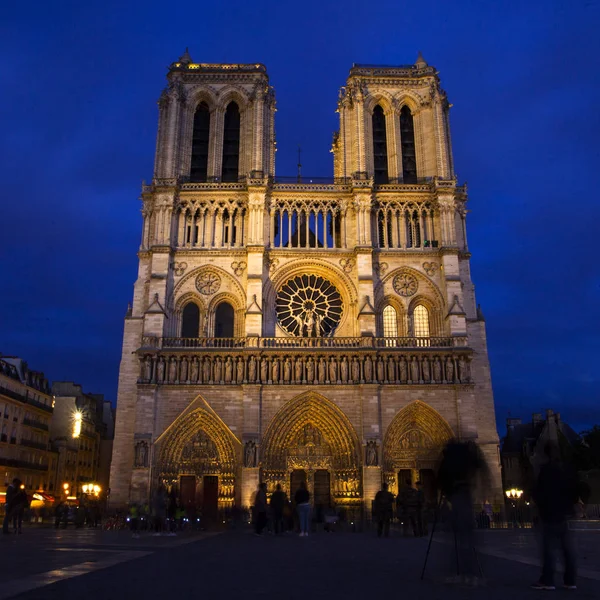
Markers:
79,126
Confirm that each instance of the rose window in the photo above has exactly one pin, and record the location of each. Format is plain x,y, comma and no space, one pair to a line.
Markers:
405,284
309,306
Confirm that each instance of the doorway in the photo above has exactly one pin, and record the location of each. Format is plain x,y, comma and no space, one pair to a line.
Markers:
210,498
404,476
322,488
297,477
429,488
187,490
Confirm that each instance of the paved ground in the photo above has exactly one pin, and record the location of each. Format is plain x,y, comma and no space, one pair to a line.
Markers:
43,564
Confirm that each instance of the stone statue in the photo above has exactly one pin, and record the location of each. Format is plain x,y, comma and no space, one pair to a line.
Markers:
425,369
333,370
206,370
371,453
299,368
310,370
437,370
309,323
344,370
250,454
148,368
252,370
368,369
403,371
355,370
194,370
228,370
275,371
287,370
391,370
322,370
414,370
218,370
240,370
449,370
463,369
264,366
141,454
173,370
183,370
380,374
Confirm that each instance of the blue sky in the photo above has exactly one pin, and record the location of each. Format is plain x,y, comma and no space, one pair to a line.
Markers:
78,114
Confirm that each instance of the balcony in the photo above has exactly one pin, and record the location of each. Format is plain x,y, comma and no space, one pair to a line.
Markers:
36,445
305,360
35,424
22,464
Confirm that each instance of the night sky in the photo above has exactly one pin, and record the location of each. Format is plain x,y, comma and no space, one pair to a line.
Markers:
80,81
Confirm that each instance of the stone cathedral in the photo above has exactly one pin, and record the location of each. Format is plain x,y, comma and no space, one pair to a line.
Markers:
288,329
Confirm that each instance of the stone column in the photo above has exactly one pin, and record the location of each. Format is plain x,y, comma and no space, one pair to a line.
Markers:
371,485
249,484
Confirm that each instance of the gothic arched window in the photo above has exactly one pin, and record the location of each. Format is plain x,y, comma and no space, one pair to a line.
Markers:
224,317
380,161
407,136
199,166
190,321
421,321
390,322
231,144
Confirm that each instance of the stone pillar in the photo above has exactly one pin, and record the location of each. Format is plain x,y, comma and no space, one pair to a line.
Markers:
371,485
249,481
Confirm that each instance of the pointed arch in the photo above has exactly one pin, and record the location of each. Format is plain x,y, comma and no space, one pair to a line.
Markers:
417,434
170,445
310,408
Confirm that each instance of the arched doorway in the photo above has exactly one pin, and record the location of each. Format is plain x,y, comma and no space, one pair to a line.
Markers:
224,320
196,458
310,439
412,447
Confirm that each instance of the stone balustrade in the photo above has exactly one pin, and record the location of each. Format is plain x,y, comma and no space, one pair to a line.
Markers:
259,364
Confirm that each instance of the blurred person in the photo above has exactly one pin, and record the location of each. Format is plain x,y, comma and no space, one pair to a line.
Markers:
159,509
278,503
555,494
461,466
408,507
12,492
21,502
134,520
302,501
421,517
383,508
260,509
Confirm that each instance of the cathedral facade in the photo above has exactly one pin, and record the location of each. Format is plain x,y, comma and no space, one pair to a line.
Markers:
294,329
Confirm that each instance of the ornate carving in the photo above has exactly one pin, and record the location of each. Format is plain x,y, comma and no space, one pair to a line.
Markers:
347,264
273,264
208,282
250,458
309,306
406,284
371,459
430,268
380,268
238,267
179,268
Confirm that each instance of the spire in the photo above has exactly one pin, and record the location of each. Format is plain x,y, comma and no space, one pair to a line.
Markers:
421,62
185,58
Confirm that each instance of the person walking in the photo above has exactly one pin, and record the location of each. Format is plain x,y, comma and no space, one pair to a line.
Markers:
302,501
555,494
12,492
278,503
21,502
159,509
421,517
260,509
384,506
134,520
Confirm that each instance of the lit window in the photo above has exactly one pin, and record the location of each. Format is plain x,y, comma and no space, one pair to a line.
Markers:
77,417
421,321
390,322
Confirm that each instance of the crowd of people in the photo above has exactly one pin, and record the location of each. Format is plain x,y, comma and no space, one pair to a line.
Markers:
410,509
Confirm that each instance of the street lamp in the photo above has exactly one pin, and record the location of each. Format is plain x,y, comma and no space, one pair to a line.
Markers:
66,488
514,494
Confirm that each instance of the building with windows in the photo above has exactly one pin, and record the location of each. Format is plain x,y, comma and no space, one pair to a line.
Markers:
290,328
77,431
26,409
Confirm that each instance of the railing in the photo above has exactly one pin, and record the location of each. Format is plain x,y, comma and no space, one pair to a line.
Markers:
36,424
304,342
32,444
22,464
41,405
12,394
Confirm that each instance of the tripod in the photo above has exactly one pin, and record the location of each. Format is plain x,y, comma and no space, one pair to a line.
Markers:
456,552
